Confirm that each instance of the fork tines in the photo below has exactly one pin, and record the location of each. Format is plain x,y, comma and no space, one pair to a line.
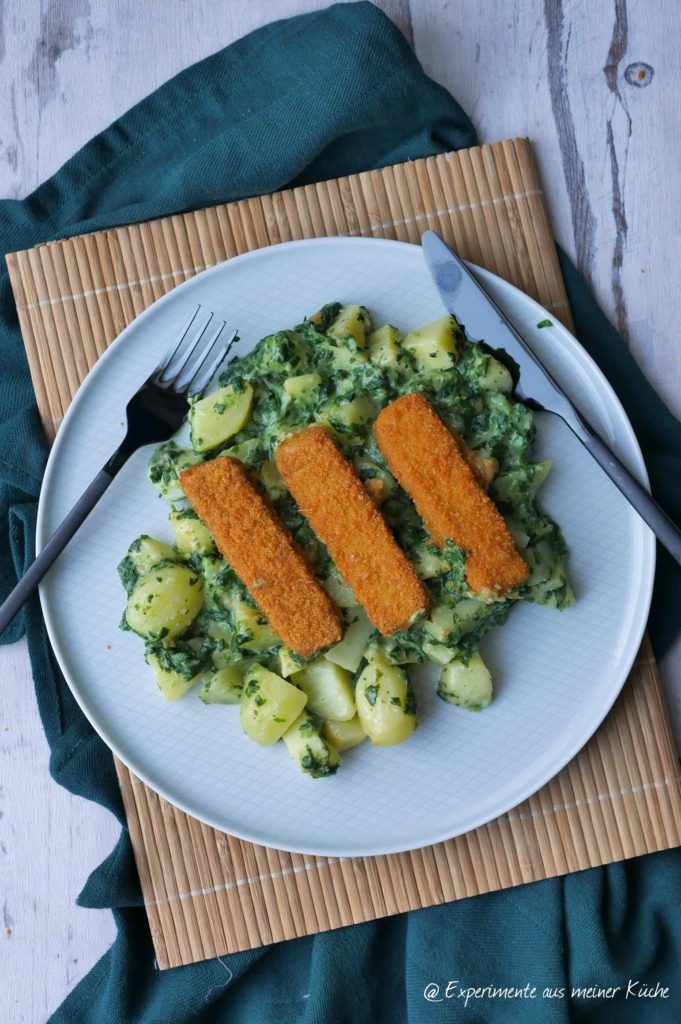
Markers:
191,363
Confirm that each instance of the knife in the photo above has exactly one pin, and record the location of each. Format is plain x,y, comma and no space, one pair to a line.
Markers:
535,386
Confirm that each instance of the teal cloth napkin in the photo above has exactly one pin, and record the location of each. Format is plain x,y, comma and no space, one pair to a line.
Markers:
298,101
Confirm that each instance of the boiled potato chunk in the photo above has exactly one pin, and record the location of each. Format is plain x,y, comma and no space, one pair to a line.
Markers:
218,416
222,635
248,452
143,553
171,684
269,705
497,377
467,684
433,346
212,565
272,481
441,622
191,536
303,388
329,689
438,653
385,702
338,590
254,631
289,662
348,652
353,321
309,748
343,417
146,551
384,346
225,686
165,602
344,735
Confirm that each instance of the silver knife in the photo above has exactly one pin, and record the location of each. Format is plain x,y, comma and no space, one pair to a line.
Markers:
472,306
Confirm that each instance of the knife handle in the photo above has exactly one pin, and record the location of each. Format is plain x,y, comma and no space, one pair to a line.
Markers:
664,528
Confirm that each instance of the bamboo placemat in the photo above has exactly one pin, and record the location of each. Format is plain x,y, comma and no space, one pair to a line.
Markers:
207,893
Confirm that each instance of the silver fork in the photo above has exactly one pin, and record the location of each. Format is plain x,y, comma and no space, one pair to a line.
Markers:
153,415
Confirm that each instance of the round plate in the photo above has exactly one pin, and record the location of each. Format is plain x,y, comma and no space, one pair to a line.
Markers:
556,674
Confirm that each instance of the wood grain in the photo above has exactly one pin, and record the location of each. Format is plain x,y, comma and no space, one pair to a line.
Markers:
208,893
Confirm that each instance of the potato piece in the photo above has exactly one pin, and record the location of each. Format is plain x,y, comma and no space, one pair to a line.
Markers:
441,622
353,321
212,565
497,377
303,388
435,345
468,685
271,481
345,357
343,417
438,653
329,690
385,702
225,686
224,654
191,536
348,652
171,684
218,416
165,602
344,735
254,631
309,748
289,662
338,590
269,705
144,552
384,347
249,451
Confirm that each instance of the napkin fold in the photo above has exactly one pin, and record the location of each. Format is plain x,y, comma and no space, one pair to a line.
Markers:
309,98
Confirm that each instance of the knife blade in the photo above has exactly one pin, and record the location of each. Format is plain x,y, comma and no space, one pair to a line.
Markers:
474,309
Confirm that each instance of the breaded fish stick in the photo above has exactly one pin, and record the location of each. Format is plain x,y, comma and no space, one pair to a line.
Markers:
342,514
262,554
426,458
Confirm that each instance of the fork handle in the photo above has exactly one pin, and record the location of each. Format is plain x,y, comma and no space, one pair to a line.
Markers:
55,545
664,528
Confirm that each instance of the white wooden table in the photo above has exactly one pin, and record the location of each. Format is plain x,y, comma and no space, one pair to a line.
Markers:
593,86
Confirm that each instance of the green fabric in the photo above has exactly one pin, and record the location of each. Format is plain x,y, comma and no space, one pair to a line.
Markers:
317,96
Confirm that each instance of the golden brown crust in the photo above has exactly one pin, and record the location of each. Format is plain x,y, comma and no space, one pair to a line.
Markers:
331,496
262,554
428,462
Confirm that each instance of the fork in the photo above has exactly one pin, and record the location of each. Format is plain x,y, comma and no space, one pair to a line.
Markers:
153,414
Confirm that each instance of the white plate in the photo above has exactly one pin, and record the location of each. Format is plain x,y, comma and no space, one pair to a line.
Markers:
556,674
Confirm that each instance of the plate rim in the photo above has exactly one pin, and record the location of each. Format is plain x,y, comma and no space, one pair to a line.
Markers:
648,553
